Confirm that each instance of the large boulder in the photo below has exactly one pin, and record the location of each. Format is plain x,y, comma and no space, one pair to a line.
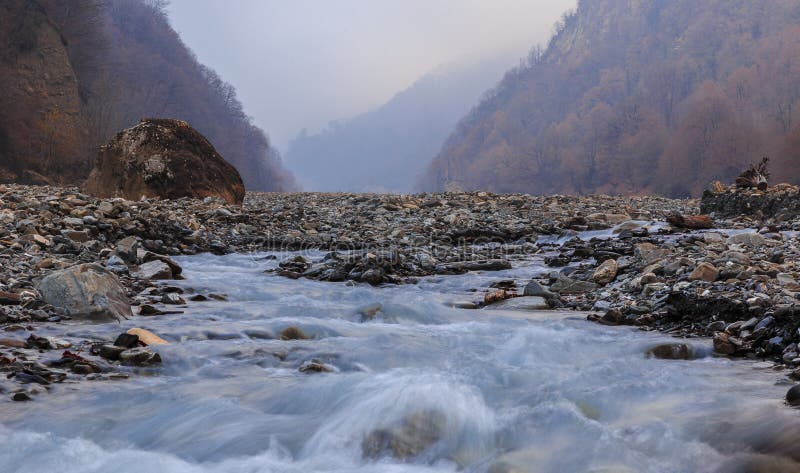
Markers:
86,291
163,158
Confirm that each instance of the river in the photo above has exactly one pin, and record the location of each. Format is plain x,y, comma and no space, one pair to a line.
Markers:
487,390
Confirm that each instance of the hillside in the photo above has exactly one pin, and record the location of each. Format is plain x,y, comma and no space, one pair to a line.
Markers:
78,72
637,96
386,149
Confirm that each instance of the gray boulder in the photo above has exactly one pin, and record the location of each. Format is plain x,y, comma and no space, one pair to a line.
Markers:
86,291
155,269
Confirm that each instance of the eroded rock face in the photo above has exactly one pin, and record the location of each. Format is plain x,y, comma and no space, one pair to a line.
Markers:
86,291
163,158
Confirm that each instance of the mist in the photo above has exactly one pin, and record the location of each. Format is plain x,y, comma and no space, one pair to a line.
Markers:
302,64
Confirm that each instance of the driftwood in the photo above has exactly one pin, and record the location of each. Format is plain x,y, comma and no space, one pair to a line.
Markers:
755,176
691,222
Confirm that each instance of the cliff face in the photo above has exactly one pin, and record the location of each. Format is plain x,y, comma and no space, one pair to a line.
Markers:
639,96
74,73
42,132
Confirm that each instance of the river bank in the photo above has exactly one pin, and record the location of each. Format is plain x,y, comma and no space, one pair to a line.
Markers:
616,257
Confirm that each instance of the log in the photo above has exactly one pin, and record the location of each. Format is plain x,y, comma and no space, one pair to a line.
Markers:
691,222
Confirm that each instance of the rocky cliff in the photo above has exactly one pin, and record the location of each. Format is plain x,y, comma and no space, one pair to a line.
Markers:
42,132
75,73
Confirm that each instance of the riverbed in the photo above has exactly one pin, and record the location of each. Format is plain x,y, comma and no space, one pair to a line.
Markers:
497,391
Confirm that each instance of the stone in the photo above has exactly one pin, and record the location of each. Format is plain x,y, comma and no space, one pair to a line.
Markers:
567,286
648,253
370,311
86,292
315,366
692,222
154,270
140,356
111,352
521,303
163,158
534,289
9,298
78,236
704,272
147,337
793,396
293,333
412,437
20,396
749,239
173,265
672,351
723,344
606,272
116,264
127,340
127,249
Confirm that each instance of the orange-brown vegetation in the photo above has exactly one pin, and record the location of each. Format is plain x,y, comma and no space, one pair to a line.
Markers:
639,96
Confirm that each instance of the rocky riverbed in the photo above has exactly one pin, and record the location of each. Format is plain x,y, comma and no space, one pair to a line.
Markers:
615,257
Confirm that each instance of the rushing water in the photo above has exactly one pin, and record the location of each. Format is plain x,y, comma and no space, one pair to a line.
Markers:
539,392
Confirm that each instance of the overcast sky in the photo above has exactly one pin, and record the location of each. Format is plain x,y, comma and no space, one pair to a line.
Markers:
302,63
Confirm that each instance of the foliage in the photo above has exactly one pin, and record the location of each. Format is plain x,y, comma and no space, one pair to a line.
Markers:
636,96
129,64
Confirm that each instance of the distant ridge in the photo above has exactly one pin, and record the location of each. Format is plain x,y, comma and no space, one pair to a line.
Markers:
639,96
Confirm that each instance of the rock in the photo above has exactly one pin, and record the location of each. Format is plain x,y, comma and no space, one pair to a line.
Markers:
704,272
77,236
723,344
111,352
140,356
315,366
606,272
20,396
86,291
173,265
127,249
793,396
567,286
534,289
692,222
648,253
672,351
416,434
369,312
521,303
9,298
147,337
116,264
373,276
127,340
163,158
495,296
293,333
154,270
750,240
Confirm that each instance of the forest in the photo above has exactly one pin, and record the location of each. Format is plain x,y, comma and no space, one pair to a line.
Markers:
636,97
77,72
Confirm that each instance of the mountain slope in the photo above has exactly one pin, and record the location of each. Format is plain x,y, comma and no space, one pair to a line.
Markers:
387,148
109,63
635,96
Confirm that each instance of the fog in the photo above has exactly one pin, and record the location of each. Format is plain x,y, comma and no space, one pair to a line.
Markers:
300,64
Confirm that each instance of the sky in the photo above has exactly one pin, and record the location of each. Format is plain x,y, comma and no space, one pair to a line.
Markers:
303,63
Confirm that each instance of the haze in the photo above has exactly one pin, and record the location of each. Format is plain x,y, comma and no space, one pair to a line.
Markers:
300,64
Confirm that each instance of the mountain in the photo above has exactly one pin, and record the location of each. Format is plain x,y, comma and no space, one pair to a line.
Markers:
386,149
75,73
639,96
